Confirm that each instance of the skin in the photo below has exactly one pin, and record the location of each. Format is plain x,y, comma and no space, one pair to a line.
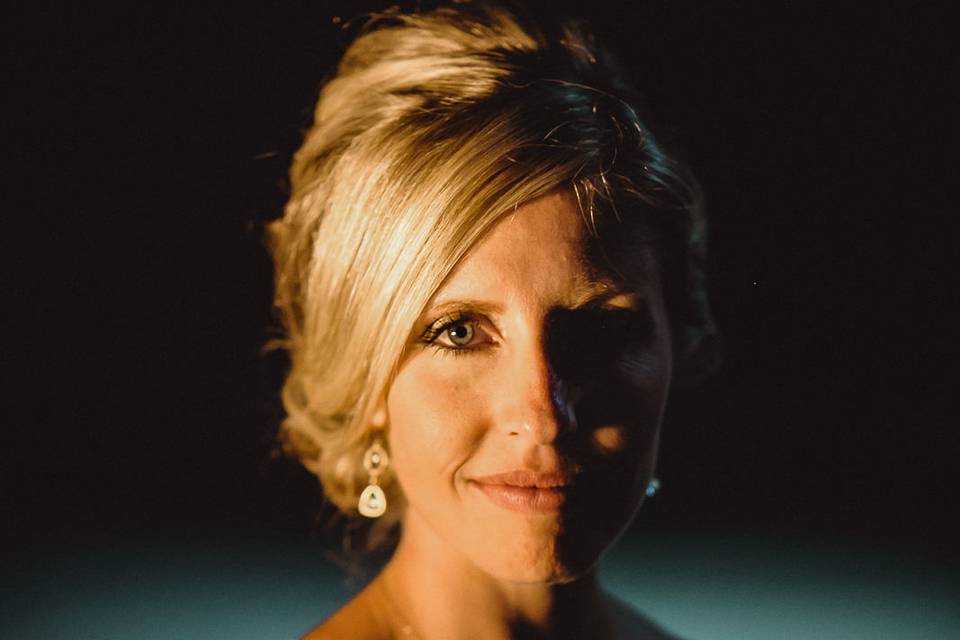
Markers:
547,360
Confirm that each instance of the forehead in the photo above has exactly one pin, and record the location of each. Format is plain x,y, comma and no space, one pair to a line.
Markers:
541,250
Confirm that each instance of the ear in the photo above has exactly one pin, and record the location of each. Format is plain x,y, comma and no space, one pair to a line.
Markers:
379,419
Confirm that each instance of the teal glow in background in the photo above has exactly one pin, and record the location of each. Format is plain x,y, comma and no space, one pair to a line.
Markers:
239,583
149,146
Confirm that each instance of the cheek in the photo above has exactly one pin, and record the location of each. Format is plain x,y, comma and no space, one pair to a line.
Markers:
433,419
622,410
622,418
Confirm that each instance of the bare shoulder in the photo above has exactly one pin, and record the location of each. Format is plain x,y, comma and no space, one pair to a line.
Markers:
357,619
630,624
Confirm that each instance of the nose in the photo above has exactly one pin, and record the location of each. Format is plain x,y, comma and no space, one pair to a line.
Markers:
542,402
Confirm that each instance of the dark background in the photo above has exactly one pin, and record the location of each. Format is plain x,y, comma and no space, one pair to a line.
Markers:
149,144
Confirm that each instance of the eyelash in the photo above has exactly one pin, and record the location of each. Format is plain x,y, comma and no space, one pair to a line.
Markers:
440,326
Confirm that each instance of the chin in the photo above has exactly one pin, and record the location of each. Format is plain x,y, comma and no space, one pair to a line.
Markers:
538,569
537,558
550,549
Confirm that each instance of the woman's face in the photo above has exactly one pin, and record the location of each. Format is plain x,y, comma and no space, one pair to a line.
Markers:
524,420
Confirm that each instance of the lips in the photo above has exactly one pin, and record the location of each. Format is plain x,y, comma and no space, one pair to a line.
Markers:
525,491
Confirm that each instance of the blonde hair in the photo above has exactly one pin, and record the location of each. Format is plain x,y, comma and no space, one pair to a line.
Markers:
435,125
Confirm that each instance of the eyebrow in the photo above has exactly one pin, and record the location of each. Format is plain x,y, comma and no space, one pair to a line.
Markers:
619,299
602,292
461,304
599,294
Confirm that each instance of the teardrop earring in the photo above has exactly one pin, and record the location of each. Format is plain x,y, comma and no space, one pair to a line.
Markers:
373,502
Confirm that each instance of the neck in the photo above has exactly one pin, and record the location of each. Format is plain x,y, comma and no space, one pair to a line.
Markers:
440,593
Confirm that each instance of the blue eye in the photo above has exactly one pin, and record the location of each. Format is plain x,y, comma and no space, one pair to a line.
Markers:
460,333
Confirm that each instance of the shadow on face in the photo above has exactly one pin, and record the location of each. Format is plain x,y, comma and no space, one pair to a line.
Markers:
610,367
612,364
535,355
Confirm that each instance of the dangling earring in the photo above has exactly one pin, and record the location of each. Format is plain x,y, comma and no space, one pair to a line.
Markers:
373,502
653,487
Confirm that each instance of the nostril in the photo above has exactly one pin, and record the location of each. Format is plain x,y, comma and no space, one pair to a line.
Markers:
524,426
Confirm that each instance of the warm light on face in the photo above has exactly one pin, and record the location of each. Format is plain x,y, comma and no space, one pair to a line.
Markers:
609,439
523,423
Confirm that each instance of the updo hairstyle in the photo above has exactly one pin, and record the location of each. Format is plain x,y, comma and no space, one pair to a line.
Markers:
434,126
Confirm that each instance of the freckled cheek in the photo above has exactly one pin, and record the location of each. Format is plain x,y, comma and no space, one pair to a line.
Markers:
435,420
